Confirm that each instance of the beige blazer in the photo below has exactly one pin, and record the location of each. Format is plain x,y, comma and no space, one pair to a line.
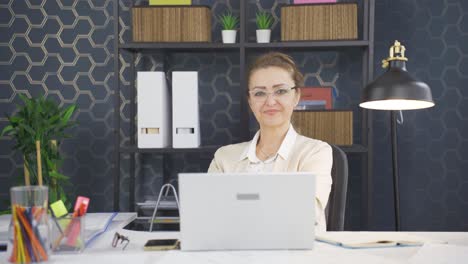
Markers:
307,154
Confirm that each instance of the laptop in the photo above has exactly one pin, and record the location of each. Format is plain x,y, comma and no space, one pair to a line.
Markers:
247,211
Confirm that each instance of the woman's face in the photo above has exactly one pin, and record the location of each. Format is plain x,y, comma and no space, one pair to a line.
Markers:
270,96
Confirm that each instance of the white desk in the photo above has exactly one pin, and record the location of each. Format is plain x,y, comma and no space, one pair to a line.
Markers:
101,251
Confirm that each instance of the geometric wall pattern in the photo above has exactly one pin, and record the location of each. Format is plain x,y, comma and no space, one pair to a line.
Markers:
433,143
220,97
64,49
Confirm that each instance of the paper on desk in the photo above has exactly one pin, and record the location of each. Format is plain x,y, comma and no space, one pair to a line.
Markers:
4,222
271,257
115,257
440,254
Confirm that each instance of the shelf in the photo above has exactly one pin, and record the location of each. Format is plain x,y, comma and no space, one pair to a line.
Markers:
244,50
204,46
309,44
179,46
354,148
168,150
348,149
160,219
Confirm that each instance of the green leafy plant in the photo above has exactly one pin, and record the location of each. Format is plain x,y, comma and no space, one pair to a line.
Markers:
39,119
264,20
229,21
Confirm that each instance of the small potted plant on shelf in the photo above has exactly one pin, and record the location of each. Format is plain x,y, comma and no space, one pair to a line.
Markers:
264,21
229,23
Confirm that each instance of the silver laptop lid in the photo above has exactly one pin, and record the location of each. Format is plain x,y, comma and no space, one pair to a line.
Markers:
233,211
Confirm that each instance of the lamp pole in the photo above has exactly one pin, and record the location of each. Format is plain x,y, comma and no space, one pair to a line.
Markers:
396,90
396,192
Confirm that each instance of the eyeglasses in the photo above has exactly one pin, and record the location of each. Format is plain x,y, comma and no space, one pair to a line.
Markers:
118,237
260,95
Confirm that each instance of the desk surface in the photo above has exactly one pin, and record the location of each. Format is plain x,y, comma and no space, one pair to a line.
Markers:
102,252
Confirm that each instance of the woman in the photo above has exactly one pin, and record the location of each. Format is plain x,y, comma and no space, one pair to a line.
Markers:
273,92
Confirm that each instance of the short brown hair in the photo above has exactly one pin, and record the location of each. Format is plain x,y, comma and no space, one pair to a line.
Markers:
280,60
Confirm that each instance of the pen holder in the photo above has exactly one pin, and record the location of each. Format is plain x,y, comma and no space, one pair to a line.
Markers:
29,228
67,234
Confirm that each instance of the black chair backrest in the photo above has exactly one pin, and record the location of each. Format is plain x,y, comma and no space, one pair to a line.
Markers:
335,211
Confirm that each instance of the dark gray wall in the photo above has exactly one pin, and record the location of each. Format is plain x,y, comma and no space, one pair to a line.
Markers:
432,143
69,56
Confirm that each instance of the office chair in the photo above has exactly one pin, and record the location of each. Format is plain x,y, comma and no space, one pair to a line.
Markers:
335,211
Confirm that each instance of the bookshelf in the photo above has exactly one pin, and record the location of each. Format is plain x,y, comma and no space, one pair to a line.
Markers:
243,49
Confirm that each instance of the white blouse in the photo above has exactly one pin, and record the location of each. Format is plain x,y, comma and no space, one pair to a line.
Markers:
256,165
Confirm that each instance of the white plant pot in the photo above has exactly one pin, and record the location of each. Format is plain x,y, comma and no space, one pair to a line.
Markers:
263,35
229,36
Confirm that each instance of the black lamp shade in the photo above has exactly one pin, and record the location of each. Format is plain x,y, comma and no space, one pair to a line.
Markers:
396,89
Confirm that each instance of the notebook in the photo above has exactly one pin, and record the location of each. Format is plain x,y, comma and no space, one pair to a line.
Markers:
244,211
96,224
372,239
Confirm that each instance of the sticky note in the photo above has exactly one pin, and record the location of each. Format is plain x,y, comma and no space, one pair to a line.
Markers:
59,209
81,204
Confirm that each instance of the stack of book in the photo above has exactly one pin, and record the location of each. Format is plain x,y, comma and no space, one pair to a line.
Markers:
314,98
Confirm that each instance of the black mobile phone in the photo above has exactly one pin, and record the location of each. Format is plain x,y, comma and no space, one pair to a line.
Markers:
161,244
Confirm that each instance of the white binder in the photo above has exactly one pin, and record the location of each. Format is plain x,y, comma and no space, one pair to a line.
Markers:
185,118
154,127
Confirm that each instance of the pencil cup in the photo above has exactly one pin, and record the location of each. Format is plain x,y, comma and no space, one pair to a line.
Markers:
67,234
29,228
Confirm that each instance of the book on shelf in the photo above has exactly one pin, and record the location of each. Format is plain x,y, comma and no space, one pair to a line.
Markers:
372,239
314,96
311,105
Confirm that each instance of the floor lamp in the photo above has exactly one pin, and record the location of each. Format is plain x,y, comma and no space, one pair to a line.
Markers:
396,90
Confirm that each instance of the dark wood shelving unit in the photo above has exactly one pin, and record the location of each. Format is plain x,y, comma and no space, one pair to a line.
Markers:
203,46
357,148
365,45
169,150
309,44
179,46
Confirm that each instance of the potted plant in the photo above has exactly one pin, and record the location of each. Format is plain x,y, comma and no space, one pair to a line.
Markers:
229,23
264,21
38,128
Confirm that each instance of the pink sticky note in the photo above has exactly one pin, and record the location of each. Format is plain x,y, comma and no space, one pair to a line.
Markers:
81,200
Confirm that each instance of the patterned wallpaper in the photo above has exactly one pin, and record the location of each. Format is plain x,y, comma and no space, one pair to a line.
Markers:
65,50
432,143
62,49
